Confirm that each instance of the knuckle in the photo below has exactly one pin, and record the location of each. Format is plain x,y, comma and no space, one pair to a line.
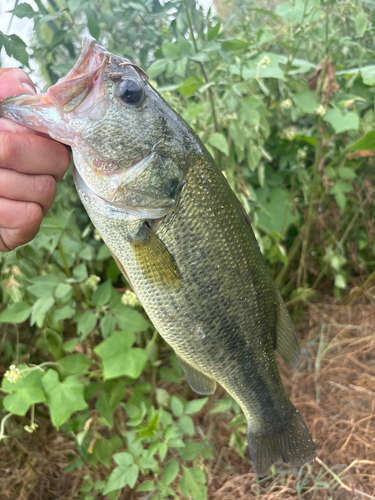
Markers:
10,147
44,187
33,214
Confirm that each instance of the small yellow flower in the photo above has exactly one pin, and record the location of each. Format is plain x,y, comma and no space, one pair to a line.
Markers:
92,282
286,104
321,110
13,374
290,134
264,62
129,298
97,236
301,154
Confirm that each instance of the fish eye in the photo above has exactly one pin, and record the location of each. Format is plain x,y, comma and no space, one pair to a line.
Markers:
130,91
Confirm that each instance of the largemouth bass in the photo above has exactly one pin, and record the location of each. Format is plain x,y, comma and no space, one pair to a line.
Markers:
180,237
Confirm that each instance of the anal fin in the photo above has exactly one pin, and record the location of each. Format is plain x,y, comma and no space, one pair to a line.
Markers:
154,258
200,383
286,343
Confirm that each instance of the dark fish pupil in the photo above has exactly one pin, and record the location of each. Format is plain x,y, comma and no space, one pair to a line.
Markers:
130,91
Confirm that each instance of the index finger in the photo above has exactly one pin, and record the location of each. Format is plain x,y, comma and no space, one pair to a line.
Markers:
14,81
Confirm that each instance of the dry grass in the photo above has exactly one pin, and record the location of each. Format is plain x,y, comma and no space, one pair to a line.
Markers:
333,387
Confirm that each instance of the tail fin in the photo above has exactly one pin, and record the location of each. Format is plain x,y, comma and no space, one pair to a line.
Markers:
293,446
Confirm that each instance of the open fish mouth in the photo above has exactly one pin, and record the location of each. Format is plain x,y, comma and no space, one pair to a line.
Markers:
71,90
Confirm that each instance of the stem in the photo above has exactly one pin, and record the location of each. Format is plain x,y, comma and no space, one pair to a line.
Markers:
361,289
67,16
2,435
210,94
293,250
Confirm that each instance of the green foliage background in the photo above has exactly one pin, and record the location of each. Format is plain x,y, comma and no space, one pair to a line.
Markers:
298,156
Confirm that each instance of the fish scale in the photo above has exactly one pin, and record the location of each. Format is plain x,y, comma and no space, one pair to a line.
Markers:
180,237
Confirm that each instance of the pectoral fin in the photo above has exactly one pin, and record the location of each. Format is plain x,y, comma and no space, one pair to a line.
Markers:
154,259
286,343
200,383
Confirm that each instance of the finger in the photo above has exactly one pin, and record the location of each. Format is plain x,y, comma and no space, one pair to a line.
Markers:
39,189
32,154
20,223
14,81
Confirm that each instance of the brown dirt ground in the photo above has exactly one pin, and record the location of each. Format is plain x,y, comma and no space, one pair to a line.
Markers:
333,386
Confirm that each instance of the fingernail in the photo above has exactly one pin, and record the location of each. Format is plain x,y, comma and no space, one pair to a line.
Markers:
28,87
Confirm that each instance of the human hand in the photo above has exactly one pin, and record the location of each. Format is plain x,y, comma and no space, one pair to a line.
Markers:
30,166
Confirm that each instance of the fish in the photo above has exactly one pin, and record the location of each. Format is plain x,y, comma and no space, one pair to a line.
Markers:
180,237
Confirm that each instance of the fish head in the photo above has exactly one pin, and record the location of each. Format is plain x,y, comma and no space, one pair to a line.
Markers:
116,123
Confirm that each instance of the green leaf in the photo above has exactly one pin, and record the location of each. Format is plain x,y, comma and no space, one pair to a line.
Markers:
171,50
122,476
157,68
170,471
365,142
192,484
40,309
340,281
129,319
341,122
187,425
234,44
15,47
62,313
23,10
219,142
73,5
368,75
92,22
346,173
102,295
195,405
16,313
108,401
146,486
361,20
306,101
86,324
276,213
190,86
80,272
76,364
300,11
63,290
63,398
177,406
28,390
266,65
224,404
107,325
123,458
213,32
119,358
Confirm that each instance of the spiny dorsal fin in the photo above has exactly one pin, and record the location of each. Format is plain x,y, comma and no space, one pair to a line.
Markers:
154,259
286,341
200,383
